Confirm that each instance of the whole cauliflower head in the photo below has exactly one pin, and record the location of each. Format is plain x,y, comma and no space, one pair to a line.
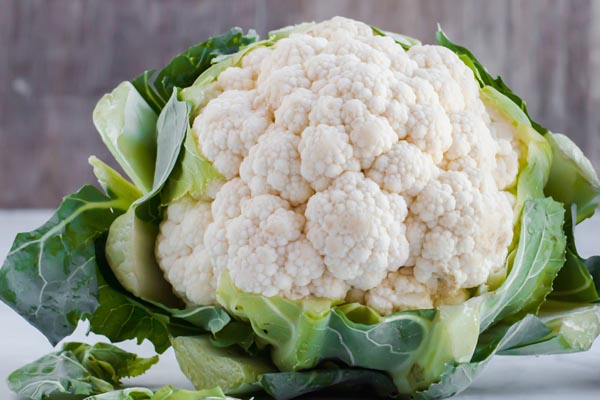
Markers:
354,170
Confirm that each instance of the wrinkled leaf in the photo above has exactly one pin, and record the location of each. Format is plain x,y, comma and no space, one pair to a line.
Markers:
593,266
130,253
560,328
574,281
538,258
208,318
186,67
411,346
572,327
131,239
191,175
75,370
49,276
109,362
536,160
207,366
484,77
135,393
165,393
183,70
113,184
235,333
145,87
127,126
170,393
573,180
201,91
458,376
171,126
288,385
121,316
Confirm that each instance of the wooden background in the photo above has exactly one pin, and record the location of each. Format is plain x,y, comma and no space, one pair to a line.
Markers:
57,57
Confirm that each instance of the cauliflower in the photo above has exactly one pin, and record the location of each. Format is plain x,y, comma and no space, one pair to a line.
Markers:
354,170
335,192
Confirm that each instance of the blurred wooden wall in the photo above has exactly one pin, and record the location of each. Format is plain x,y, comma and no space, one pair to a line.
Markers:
57,57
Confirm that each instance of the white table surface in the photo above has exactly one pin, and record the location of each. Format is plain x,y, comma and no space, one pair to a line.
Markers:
573,376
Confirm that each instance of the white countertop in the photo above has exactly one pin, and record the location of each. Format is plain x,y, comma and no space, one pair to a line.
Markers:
573,376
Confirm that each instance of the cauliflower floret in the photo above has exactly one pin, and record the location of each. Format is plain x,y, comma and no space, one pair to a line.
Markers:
229,199
269,254
278,84
341,29
422,89
227,128
326,110
430,130
293,50
349,78
448,90
473,146
320,66
325,153
399,291
234,78
355,295
460,241
362,50
404,169
415,233
397,109
284,73
329,287
254,59
352,224
507,164
226,206
181,253
273,166
509,149
369,135
399,60
295,108
438,57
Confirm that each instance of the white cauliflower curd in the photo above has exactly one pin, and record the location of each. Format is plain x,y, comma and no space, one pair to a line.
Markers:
354,169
